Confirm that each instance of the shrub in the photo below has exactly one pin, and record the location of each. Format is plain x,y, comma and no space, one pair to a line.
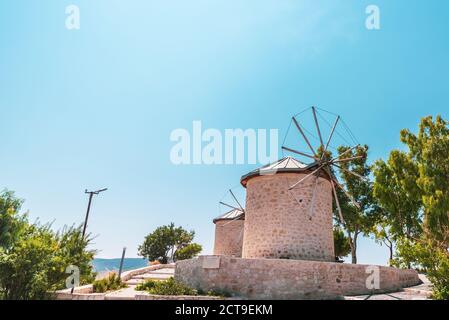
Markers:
110,283
35,264
436,263
167,287
147,285
431,259
171,287
34,258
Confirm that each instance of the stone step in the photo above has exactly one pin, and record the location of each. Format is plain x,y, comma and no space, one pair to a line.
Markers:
164,271
122,294
153,276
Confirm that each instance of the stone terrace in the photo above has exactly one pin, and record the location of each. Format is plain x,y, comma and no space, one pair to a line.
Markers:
162,272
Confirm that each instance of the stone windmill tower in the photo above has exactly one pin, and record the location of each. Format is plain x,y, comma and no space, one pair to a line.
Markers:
229,230
229,233
289,204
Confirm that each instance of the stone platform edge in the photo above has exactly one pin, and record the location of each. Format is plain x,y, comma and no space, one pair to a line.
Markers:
290,279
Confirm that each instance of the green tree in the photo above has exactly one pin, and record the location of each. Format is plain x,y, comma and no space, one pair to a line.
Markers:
396,190
189,251
164,243
430,150
358,219
398,194
383,236
12,222
341,244
413,187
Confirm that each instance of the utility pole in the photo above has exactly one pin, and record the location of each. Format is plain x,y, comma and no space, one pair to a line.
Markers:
91,194
121,263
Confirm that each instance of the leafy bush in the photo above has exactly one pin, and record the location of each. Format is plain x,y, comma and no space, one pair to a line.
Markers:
147,285
72,248
34,258
27,270
110,283
35,264
169,287
434,261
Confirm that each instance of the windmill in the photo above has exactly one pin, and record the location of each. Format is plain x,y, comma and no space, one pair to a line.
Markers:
322,162
229,227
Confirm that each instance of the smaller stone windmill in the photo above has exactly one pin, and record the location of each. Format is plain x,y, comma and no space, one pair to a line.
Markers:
229,229
289,203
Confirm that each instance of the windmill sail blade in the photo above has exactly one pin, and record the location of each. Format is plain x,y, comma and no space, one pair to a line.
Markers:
335,181
340,214
228,205
317,126
303,135
306,177
339,156
330,137
300,153
348,195
349,171
348,159
232,193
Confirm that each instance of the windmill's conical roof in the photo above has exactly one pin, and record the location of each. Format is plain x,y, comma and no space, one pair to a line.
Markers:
234,214
286,164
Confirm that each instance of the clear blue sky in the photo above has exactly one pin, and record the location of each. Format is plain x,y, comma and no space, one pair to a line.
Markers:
95,107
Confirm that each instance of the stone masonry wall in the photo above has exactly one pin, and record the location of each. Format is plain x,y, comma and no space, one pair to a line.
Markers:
288,279
228,237
279,223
